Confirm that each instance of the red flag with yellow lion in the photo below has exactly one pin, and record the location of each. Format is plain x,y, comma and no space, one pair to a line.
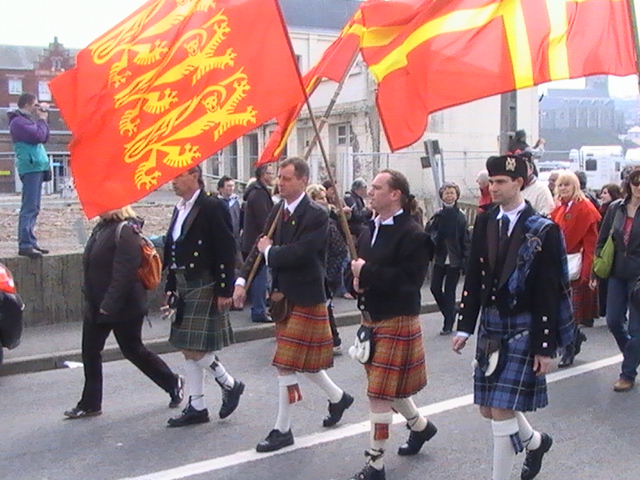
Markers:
169,86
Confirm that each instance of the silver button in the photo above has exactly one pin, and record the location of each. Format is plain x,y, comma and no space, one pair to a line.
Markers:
462,305
361,307
195,254
223,275
493,297
545,344
191,265
222,284
221,266
544,319
199,242
546,331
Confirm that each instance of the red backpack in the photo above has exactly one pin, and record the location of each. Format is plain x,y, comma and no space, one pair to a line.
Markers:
150,270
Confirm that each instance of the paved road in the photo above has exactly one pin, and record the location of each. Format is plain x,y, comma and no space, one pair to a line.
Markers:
595,429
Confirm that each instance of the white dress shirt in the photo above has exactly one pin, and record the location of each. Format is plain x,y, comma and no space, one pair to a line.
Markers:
183,207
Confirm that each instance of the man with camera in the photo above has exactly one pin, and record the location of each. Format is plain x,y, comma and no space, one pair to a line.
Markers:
29,131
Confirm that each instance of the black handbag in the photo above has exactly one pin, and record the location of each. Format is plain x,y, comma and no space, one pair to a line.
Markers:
48,175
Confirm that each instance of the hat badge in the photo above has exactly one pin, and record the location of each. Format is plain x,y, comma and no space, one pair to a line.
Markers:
510,164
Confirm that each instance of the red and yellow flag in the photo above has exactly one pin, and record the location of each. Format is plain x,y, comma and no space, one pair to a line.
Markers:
167,87
334,65
427,55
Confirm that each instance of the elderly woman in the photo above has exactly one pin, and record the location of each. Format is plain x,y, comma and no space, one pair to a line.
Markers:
116,301
622,222
336,252
578,219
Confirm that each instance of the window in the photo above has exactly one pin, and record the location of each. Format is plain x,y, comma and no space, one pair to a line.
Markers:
345,134
15,86
232,156
591,165
44,94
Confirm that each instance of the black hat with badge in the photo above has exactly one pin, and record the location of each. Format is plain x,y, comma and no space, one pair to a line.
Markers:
513,166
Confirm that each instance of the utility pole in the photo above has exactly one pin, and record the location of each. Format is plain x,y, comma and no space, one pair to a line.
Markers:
508,118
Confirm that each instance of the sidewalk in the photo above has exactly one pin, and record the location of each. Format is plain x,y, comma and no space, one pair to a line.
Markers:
50,346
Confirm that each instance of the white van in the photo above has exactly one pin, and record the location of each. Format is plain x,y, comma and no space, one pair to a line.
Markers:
602,164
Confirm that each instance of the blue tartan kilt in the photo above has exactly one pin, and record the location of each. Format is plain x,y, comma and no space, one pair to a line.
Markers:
516,387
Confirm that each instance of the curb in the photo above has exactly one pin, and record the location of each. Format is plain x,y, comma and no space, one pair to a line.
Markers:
54,361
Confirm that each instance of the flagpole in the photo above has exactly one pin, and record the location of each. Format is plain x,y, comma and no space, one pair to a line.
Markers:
636,40
341,217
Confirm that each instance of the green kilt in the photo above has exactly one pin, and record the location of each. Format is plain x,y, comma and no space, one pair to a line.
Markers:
201,327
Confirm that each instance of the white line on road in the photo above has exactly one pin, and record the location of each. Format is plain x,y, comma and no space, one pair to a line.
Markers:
345,431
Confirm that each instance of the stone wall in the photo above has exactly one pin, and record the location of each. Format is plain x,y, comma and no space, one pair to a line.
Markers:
52,288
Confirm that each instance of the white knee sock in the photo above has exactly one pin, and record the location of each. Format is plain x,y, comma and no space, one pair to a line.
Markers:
195,384
288,394
504,454
530,438
213,366
408,409
322,380
379,438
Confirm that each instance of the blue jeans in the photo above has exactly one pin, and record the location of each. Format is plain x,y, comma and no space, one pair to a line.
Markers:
257,294
627,337
30,208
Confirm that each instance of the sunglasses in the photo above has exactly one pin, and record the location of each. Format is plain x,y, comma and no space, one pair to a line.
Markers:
635,182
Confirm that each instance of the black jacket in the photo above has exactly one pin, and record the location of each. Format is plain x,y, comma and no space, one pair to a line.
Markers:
626,264
298,257
395,268
485,287
111,280
456,246
359,214
206,246
256,207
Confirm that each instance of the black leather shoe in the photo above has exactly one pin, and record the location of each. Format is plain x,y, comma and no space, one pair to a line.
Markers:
579,340
29,252
189,416
370,473
275,441
231,399
79,412
533,461
177,394
43,251
336,410
416,439
567,357
265,319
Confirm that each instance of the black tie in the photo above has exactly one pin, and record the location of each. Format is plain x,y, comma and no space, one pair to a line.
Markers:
286,215
504,228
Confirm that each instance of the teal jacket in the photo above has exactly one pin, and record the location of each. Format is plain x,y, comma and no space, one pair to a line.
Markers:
28,137
31,158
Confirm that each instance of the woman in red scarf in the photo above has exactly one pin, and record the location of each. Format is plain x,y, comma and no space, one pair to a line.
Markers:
578,219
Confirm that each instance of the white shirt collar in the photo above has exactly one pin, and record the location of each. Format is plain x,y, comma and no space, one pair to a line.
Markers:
388,221
512,215
292,206
182,204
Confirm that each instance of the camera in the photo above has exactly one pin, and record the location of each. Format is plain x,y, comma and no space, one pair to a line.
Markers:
43,107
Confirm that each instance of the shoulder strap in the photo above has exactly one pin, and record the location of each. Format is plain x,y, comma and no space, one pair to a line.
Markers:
119,230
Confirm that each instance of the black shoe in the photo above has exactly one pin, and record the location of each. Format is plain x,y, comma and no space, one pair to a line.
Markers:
79,412
29,252
275,441
567,357
43,251
265,319
579,340
231,399
189,416
369,473
177,394
533,461
446,331
416,439
336,410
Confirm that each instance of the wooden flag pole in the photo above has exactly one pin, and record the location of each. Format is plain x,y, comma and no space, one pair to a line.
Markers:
258,259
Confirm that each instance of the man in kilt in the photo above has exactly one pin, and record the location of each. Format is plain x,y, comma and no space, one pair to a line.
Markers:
393,254
200,254
517,279
297,257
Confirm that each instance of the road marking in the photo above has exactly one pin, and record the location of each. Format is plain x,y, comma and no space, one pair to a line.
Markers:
247,456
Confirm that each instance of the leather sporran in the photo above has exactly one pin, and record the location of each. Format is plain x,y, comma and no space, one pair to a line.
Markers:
280,308
490,355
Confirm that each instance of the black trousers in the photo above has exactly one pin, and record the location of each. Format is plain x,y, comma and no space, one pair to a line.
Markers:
129,337
445,298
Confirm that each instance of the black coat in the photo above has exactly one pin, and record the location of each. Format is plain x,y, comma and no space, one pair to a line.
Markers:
456,247
256,207
111,280
395,268
299,253
205,247
359,214
484,286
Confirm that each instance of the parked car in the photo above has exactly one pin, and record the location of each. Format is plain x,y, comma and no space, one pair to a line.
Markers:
11,308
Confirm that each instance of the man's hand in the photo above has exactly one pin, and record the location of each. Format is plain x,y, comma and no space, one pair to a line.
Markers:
356,267
239,296
263,243
224,303
541,365
458,343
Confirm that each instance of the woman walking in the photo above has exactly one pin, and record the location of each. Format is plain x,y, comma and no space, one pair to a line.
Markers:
116,301
608,194
578,219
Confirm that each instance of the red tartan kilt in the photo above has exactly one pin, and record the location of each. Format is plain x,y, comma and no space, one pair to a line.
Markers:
398,367
304,342
584,302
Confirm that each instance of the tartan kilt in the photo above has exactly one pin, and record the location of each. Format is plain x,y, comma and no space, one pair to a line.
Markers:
203,328
517,387
303,341
584,302
398,366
